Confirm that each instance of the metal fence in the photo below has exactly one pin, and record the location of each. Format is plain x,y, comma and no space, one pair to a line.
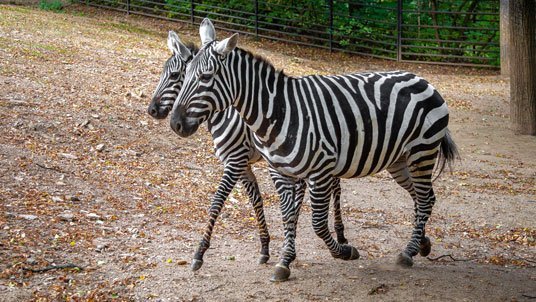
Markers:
459,32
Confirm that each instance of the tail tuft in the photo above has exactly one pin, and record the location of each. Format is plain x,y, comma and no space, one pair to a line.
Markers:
448,153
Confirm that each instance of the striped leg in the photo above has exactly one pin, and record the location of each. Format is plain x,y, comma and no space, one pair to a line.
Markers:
252,187
420,170
230,176
299,196
320,191
336,196
399,171
286,189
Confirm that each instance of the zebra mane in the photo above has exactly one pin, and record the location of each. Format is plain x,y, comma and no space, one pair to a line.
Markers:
192,47
263,60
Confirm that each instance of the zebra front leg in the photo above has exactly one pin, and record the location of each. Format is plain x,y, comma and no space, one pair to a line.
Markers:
227,183
252,187
286,189
338,225
320,193
298,197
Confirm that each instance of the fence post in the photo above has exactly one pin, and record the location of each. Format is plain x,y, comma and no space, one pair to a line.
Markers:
330,25
128,7
192,11
399,31
257,18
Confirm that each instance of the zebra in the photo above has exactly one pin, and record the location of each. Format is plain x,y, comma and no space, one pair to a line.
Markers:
171,77
320,128
235,149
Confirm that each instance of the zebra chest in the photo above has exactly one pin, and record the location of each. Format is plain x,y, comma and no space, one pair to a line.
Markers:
232,143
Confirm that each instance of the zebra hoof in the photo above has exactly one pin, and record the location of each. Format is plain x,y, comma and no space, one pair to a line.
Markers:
281,273
404,260
425,247
263,259
196,264
348,253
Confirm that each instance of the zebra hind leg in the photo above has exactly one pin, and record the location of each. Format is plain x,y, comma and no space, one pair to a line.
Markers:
336,196
425,247
252,188
416,178
320,192
227,183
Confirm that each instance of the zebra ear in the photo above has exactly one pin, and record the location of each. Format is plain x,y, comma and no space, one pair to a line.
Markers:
176,46
173,42
207,32
226,46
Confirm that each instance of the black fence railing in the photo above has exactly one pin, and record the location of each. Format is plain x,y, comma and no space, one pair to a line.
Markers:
460,32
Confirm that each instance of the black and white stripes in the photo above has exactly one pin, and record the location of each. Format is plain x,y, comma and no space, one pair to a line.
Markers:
171,77
323,127
234,147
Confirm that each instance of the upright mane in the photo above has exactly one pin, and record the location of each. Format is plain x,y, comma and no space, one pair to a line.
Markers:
192,47
262,59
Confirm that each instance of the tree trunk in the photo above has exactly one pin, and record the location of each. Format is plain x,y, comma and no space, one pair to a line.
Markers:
505,39
522,32
436,26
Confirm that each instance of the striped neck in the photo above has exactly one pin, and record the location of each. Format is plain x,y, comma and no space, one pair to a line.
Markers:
262,93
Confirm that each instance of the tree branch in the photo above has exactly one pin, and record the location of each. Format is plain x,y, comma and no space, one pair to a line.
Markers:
49,168
52,267
449,256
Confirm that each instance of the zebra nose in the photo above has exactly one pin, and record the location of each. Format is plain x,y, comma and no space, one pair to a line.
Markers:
152,110
175,125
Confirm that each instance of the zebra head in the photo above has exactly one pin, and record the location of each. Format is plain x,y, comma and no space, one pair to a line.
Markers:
171,78
207,85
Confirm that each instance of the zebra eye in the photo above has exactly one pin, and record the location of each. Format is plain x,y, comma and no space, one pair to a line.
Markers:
175,74
205,77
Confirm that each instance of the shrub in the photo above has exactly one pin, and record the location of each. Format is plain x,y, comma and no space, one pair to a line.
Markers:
51,5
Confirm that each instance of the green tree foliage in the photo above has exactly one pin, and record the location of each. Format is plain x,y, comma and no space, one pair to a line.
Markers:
52,5
464,31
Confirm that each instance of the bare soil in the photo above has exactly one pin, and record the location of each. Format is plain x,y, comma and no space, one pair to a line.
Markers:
88,178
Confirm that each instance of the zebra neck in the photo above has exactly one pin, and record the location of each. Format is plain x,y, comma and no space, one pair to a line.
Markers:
262,94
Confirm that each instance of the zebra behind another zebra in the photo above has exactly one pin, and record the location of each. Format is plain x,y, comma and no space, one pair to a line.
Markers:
320,128
234,147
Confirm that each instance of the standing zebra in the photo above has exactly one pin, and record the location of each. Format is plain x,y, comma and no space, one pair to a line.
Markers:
320,128
235,149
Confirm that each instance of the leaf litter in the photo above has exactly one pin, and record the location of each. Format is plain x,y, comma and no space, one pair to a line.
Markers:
89,180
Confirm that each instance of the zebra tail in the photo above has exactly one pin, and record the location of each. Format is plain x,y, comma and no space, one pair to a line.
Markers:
448,153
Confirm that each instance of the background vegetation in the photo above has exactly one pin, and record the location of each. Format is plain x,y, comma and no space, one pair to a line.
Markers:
52,5
459,31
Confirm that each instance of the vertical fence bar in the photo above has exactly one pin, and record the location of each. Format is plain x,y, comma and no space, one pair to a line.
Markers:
192,12
257,18
399,31
330,25
420,53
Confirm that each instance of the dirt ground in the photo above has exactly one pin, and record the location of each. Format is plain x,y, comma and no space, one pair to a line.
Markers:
88,179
